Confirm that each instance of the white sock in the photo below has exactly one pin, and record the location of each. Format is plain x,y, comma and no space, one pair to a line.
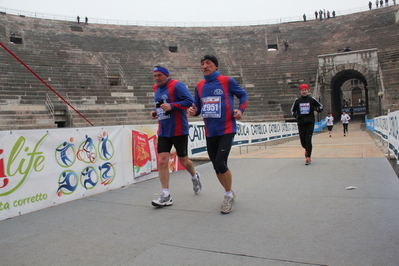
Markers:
229,193
194,177
165,192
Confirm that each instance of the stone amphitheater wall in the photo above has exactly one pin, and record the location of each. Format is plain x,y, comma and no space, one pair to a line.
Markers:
104,71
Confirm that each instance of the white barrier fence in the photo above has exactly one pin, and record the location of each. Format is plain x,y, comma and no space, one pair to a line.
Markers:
43,168
387,128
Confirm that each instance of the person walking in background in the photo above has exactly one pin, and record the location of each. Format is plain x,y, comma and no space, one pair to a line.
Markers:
286,44
345,121
172,99
303,110
330,124
214,101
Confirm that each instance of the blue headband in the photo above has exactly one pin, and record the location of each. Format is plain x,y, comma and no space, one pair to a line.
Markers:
162,70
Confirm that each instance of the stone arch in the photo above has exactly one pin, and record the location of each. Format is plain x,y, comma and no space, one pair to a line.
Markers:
335,79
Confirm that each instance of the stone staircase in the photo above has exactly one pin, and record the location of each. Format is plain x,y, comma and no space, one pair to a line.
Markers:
105,70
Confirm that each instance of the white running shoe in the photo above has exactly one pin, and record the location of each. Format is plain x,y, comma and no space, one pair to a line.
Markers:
162,201
197,184
227,204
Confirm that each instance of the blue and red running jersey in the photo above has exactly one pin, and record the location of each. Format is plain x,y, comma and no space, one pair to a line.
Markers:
174,122
214,100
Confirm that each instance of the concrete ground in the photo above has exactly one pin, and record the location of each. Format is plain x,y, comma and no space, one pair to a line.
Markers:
286,213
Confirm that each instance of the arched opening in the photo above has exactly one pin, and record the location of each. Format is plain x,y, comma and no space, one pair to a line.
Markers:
347,87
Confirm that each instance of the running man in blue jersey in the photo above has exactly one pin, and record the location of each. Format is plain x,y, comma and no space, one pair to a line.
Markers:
172,99
214,100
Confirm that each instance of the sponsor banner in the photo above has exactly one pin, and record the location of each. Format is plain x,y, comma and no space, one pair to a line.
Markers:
356,109
243,135
387,128
196,138
393,132
381,125
275,130
258,132
142,162
43,168
369,124
247,133
145,153
318,126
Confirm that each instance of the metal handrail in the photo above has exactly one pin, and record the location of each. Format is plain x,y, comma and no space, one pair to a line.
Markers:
50,106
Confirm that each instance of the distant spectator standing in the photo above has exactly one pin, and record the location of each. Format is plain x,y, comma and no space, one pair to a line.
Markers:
333,13
321,14
328,13
86,21
351,111
376,3
345,121
78,19
386,3
394,2
315,14
304,17
381,3
370,5
286,45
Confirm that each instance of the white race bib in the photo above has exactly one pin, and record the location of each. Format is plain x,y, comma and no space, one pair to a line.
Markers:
211,107
304,108
161,114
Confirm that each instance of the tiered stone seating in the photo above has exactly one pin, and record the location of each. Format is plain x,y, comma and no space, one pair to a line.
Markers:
80,65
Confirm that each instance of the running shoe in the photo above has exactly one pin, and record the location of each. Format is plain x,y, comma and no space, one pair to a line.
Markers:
227,204
307,161
197,184
162,201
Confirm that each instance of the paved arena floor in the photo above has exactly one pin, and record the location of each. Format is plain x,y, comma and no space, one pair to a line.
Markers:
286,213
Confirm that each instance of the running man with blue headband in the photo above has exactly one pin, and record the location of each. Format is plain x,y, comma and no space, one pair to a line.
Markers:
172,99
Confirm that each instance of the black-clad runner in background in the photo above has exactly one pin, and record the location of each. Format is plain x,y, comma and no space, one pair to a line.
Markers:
303,110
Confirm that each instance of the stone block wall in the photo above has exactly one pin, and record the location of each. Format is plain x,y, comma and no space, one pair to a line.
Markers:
105,70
